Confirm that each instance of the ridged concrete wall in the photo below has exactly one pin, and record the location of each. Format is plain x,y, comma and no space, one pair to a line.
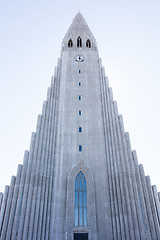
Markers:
39,203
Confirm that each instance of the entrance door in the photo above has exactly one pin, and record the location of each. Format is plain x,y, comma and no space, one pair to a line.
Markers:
80,236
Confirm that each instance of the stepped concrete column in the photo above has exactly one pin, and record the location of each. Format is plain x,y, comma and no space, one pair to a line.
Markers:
47,197
130,195
36,175
154,214
104,86
141,196
20,197
119,179
137,209
36,190
46,186
57,89
54,84
14,202
126,191
26,186
46,170
147,203
8,208
157,203
32,175
3,206
1,198
43,169
113,166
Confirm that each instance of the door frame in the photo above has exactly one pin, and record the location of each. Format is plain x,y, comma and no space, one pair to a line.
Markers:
74,232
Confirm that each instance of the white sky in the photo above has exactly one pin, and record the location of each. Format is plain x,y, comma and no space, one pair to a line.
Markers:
128,38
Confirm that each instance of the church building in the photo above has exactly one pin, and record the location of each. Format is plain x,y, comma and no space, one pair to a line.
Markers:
80,179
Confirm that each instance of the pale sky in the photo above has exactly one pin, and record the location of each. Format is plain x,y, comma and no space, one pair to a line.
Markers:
128,38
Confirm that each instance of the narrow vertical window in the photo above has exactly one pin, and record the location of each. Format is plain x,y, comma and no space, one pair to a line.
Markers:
70,43
80,129
79,42
80,97
80,200
88,43
80,148
79,112
79,84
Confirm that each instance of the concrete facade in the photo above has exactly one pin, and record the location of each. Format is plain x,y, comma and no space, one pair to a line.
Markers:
40,202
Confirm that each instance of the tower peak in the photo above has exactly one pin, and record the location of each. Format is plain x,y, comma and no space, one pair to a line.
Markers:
79,28
79,17
78,25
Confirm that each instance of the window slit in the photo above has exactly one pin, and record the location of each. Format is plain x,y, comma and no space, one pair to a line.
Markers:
70,43
79,42
88,43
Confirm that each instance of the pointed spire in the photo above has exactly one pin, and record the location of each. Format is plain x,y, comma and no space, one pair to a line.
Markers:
78,24
78,28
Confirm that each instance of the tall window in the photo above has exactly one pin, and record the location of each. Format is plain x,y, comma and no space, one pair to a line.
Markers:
79,42
88,43
70,43
80,200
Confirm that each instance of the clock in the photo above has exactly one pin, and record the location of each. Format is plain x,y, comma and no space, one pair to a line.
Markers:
79,58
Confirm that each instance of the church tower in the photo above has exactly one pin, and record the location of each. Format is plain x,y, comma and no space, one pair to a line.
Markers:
80,180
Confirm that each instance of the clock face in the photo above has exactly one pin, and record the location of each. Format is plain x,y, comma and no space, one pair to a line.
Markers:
79,58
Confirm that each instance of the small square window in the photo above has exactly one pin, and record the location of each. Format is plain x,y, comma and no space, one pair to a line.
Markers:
79,84
80,148
79,71
79,112
80,129
80,97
